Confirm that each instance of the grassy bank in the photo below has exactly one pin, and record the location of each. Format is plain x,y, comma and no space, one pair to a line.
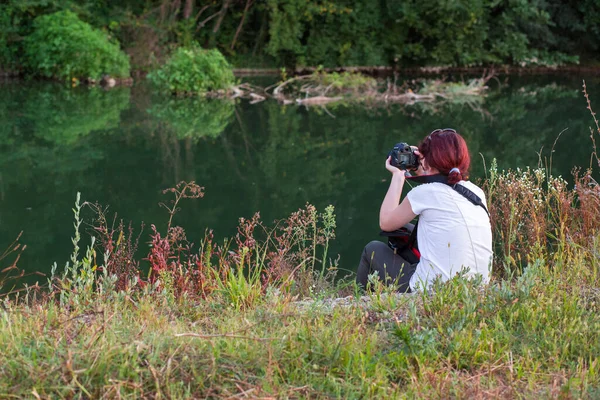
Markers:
536,337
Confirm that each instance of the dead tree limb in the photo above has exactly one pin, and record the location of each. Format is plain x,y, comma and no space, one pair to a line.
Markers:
222,13
239,28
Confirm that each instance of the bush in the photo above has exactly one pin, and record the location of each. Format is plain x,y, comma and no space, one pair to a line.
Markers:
194,70
64,47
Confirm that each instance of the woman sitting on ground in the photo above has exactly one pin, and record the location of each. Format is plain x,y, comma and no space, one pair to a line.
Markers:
452,232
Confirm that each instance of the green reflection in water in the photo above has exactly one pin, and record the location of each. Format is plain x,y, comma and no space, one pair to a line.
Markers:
60,116
193,117
121,148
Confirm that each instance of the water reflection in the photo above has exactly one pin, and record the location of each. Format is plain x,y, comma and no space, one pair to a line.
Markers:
194,118
58,115
123,147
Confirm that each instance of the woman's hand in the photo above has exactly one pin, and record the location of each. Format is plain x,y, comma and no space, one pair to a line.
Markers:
395,171
419,170
393,215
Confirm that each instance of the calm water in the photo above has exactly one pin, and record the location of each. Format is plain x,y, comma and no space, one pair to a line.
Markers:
121,148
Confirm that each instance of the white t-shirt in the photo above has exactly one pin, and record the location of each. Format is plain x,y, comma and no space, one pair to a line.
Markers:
452,233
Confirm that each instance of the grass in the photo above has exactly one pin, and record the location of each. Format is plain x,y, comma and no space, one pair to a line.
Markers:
225,320
536,336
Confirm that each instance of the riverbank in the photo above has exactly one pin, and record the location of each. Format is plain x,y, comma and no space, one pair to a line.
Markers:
384,71
530,338
198,327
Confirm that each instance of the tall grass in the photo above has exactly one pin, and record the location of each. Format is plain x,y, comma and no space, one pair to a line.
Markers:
222,319
535,215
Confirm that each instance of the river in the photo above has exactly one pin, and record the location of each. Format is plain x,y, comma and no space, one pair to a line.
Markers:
122,147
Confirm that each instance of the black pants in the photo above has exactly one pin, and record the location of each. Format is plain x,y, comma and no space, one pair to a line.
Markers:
390,267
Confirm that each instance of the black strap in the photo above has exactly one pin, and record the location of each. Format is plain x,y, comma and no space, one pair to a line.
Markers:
413,236
469,195
463,191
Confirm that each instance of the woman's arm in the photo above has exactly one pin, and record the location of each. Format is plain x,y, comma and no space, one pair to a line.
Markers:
392,215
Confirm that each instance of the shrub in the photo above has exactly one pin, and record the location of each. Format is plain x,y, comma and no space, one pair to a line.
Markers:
64,47
194,70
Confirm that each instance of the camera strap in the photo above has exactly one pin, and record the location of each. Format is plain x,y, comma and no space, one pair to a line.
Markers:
463,191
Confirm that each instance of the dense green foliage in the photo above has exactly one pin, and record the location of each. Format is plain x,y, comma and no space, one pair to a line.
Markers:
331,33
64,47
194,70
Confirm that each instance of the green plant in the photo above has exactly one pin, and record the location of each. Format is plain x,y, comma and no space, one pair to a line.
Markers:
241,289
194,71
63,47
76,284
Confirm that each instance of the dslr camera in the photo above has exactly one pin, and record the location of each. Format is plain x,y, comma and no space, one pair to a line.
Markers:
403,157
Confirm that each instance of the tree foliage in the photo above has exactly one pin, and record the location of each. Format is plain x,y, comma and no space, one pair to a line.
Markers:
467,32
64,47
331,33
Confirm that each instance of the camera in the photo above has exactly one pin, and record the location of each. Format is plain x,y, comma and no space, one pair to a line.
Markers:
403,157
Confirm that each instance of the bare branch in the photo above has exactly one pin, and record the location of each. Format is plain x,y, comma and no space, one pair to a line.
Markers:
239,28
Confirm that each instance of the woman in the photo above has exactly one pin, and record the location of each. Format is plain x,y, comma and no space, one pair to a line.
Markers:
453,233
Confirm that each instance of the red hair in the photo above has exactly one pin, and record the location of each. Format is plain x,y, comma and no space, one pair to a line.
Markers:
445,149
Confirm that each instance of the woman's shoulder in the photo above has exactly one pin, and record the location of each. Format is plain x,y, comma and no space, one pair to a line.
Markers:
473,188
427,191
427,187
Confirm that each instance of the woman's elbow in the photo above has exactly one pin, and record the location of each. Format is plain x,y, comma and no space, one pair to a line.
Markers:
386,225
392,222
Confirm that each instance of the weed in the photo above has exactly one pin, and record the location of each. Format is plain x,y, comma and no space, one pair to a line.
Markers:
75,285
183,190
119,247
592,136
11,273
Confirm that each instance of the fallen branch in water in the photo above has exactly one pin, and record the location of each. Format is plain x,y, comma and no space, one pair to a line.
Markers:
318,100
323,88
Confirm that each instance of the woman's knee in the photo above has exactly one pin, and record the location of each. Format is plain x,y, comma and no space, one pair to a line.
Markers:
371,254
375,247
376,255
